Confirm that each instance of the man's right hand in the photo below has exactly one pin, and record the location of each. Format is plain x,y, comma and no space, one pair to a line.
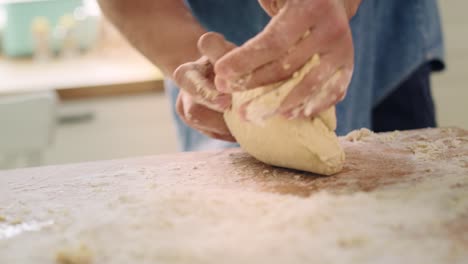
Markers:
200,117
200,105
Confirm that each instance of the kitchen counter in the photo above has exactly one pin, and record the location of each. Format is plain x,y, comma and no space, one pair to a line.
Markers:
100,72
401,198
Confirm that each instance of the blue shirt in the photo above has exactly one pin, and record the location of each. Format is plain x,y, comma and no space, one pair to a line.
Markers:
391,40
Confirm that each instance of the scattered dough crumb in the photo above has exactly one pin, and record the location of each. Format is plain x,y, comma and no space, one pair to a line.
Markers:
80,255
389,137
358,135
16,222
353,242
2,219
429,150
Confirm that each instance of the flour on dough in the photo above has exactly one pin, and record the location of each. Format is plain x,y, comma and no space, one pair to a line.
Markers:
358,135
303,144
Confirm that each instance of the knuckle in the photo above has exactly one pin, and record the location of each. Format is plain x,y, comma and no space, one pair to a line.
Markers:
340,28
193,111
275,42
319,6
179,73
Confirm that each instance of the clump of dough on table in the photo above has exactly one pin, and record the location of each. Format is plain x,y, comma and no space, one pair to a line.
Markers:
302,144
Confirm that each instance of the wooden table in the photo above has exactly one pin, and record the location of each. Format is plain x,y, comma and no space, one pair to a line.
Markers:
106,71
401,198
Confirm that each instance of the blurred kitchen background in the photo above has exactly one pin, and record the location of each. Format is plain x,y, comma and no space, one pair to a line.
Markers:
73,90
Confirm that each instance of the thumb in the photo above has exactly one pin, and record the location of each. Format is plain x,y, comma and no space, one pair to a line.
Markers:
214,46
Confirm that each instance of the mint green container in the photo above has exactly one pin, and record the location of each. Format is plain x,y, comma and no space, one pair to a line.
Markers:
17,39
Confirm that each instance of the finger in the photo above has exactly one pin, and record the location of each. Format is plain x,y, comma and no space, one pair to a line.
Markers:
324,95
322,98
200,117
200,70
270,97
214,46
342,57
180,109
288,97
229,138
196,78
324,39
283,32
272,7
330,93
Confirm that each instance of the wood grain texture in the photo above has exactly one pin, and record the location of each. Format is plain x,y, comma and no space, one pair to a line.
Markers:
111,90
401,198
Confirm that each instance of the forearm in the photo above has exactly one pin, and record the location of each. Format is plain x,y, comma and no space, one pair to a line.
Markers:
163,30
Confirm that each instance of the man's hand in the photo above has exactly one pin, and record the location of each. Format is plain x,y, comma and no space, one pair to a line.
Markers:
298,30
202,118
199,104
196,79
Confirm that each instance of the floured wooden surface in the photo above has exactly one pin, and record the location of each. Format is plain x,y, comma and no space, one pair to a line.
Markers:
401,198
